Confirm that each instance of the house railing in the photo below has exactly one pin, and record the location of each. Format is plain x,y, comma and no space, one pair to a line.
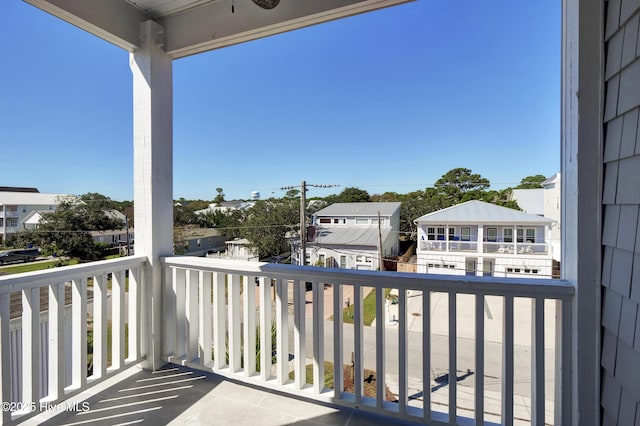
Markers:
246,303
516,248
38,300
451,246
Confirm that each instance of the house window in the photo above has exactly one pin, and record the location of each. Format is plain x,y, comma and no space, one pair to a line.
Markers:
209,240
492,235
465,234
12,222
452,234
321,259
520,235
343,261
325,220
199,242
431,234
368,259
362,221
531,235
360,258
340,220
507,235
440,234
1,221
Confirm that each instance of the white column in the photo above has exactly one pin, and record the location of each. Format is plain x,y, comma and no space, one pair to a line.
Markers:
480,246
153,176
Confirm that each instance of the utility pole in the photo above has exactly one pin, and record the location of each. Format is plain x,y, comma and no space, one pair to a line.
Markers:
303,215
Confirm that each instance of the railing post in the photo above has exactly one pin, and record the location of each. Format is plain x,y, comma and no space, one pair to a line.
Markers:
204,337
266,348
79,334
249,331
219,327
563,379
56,343
234,323
381,321
117,322
300,353
31,345
338,341
5,364
318,337
282,321
99,325
537,361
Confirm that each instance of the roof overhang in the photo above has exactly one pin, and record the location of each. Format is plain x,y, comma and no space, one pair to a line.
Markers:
195,26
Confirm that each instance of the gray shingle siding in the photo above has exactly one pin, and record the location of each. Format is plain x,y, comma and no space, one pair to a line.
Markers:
620,356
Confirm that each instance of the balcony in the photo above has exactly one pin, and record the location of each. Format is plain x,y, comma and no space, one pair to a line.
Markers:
516,248
506,342
450,246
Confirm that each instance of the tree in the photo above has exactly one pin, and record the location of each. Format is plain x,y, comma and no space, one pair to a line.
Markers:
66,231
229,222
462,185
220,197
531,182
267,224
349,195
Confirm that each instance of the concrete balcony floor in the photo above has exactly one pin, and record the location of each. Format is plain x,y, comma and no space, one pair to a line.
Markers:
181,396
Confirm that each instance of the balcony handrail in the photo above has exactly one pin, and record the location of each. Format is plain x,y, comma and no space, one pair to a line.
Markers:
36,279
516,287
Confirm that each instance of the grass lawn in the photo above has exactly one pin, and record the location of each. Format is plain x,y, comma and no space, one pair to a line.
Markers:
368,308
37,266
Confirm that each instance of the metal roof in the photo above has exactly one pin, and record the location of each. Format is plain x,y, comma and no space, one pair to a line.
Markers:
32,198
359,209
475,211
349,236
194,26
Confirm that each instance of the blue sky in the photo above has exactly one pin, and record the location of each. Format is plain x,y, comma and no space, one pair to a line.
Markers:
386,101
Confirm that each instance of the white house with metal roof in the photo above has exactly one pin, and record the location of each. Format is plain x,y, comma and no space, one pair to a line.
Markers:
15,206
347,235
478,238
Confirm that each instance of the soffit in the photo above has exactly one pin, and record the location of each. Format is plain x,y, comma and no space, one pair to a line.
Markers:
195,26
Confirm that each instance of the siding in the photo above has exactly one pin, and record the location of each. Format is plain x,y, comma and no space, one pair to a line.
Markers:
620,360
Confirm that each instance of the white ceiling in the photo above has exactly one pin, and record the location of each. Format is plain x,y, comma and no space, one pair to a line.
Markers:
195,26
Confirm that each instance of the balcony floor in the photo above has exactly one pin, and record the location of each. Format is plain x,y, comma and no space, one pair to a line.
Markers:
182,396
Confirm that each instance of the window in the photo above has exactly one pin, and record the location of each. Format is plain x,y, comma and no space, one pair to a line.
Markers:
340,220
198,242
321,259
209,240
12,222
362,221
507,234
359,258
452,234
369,259
465,234
343,261
440,235
492,235
519,235
431,234
325,220
531,235
1,221
534,271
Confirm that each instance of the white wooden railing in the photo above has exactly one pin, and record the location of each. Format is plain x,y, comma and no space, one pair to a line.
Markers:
114,284
211,324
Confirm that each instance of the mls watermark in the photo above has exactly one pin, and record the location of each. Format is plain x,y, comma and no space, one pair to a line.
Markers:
45,406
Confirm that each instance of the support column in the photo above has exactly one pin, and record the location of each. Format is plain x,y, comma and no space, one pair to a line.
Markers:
153,178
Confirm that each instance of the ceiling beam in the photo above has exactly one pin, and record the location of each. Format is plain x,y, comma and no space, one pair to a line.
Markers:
113,20
213,25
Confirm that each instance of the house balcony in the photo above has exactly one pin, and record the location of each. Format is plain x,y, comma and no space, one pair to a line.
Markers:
516,248
449,246
240,338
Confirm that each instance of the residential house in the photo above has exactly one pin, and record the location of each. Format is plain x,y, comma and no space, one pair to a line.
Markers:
240,249
196,241
348,235
596,302
16,206
479,238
